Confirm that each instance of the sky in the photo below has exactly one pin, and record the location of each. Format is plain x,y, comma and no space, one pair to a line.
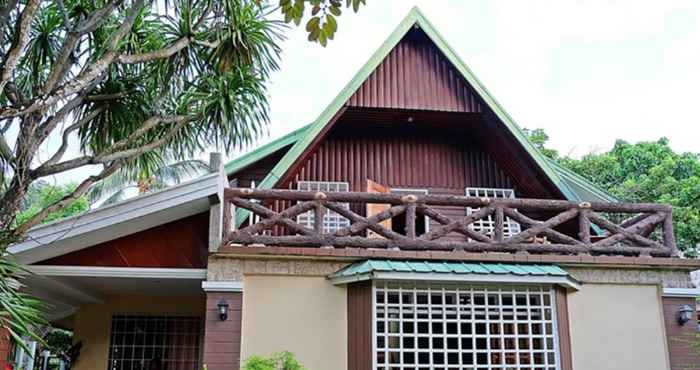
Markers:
588,72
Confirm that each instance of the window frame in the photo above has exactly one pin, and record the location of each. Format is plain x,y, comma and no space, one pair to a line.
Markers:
306,219
556,334
510,227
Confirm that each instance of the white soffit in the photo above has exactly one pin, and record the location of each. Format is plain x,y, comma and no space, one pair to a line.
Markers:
222,286
120,272
121,219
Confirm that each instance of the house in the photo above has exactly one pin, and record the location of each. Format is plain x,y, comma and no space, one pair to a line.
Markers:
411,226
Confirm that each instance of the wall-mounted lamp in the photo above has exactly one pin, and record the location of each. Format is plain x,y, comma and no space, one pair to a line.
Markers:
223,309
685,313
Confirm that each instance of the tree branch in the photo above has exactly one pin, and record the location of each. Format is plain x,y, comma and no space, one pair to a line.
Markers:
114,154
66,136
5,15
94,71
79,191
166,52
18,44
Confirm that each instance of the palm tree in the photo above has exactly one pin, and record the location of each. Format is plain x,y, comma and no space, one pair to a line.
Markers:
122,184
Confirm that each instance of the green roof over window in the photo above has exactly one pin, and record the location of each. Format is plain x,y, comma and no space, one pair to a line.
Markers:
454,271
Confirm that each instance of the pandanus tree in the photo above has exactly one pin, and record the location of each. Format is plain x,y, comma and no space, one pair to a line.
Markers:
118,85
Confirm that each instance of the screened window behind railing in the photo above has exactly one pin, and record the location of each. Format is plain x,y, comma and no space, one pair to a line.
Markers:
486,224
444,326
332,221
139,342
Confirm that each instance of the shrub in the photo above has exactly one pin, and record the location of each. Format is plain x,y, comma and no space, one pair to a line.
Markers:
279,361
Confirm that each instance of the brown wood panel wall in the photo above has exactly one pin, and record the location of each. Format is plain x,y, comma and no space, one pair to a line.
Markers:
5,347
257,171
416,75
222,339
683,356
562,307
178,244
360,326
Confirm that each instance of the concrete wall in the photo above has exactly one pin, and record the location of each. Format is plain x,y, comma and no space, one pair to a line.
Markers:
302,314
92,322
617,327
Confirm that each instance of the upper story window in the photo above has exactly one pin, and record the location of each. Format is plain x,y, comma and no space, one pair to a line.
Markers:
332,221
398,224
486,224
441,326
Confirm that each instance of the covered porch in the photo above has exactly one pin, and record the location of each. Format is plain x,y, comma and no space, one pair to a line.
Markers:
127,318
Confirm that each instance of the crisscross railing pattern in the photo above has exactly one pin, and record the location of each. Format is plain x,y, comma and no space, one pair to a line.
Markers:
546,225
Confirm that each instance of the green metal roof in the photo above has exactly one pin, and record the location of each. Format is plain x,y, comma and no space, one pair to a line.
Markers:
303,137
465,272
369,266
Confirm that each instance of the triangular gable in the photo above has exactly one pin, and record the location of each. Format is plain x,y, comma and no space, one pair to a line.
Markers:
349,95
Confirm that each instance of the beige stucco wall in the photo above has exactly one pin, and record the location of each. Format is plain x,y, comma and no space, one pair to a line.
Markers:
305,315
617,327
92,322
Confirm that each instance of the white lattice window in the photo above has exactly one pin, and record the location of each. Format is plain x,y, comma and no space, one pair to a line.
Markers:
332,221
444,326
139,342
486,224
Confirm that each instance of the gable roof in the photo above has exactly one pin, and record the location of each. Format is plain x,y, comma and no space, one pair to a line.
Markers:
303,137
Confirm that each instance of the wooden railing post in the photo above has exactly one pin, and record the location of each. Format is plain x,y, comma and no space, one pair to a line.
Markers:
319,212
498,224
668,235
584,223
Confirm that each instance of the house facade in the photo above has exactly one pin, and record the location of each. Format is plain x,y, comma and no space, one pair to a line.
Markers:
411,226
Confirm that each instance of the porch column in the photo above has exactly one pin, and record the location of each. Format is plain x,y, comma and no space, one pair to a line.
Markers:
222,339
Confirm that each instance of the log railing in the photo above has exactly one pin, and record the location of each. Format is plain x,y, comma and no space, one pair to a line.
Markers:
545,224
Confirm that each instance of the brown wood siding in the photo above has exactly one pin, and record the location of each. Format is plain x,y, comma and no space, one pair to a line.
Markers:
178,244
5,347
562,306
416,75
683,355
360,326
222,339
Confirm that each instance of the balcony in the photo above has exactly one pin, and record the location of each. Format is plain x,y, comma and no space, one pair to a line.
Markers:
535,226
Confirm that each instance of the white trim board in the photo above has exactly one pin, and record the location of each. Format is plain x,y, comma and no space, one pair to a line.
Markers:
121,219
223,286
120,272
564,281
681,292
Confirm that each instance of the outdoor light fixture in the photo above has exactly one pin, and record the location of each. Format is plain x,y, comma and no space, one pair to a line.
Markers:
223,309
685,313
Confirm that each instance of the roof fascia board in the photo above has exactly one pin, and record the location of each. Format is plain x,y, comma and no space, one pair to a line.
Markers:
564,281
253,156
583,182
119,272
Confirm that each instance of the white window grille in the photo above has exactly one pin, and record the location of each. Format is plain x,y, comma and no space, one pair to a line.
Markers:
442,326
332,221
137,341
486,224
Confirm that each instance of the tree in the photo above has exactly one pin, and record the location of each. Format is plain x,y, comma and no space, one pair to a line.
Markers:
42,194
144,180
129,82
644,172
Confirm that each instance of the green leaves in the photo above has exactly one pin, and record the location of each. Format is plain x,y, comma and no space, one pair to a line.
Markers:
323,24
279,361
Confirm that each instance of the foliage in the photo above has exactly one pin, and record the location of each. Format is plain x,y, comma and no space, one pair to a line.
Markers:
58,340
19,313
146,179
279,361
42,194
644,172
322,23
